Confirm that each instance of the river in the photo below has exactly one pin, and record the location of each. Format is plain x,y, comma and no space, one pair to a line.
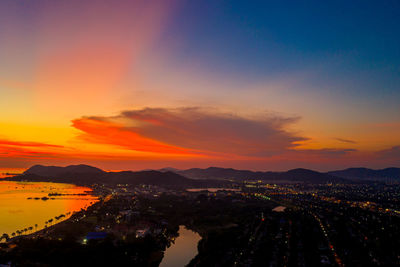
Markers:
182,250
17,212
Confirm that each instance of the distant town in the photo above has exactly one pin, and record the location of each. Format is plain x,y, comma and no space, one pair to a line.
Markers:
241,222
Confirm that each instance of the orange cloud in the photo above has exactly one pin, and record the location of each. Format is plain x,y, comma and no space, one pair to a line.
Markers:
162,137
105,132
209,137
191,131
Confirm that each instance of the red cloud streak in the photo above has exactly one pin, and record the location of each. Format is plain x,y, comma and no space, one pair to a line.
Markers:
105,132
26,144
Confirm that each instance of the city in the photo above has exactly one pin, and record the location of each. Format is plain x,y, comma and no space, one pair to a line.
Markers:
246,223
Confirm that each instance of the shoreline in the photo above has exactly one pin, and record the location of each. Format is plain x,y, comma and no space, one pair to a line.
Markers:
47,230
89,195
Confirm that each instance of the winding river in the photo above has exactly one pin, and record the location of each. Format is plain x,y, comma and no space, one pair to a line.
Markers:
182,250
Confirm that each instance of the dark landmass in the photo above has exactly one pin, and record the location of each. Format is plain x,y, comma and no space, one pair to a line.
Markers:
87,175
295,175
196,177
368,174
48,171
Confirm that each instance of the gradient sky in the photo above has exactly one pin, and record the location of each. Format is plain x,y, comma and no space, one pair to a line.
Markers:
264,85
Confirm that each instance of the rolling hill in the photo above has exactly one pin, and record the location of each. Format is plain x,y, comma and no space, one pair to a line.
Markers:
368,174
196,177
295,175
87,175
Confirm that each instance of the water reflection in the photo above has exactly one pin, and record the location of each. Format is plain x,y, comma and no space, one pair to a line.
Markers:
213,190
183,250
6,172
17,212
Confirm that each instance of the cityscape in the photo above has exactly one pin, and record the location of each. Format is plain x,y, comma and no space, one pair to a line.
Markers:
247,222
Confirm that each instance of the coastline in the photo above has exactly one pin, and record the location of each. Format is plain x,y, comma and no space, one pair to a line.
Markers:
37,207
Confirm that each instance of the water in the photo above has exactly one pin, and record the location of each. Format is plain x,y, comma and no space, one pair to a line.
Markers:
183,250
17,212
279,209
5,172
213,190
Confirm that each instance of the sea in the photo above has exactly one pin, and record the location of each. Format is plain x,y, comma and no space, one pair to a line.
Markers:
27,206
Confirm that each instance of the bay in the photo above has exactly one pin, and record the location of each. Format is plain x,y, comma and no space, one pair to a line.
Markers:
28,205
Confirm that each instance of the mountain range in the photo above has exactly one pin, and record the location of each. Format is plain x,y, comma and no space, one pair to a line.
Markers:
295,175
196,177
87,175
368,174
299,175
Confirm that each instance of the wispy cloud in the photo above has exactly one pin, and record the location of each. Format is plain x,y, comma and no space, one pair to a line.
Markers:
17,152
25,144
346,140
327,152
392,153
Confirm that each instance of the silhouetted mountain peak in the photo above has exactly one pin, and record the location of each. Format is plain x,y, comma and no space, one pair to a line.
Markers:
302,170
47,171
87,175
168,169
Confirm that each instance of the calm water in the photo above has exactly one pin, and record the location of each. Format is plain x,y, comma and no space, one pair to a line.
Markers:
17,212
213,190
183,250
4,172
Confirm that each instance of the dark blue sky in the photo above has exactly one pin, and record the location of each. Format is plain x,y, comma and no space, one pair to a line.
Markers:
356,43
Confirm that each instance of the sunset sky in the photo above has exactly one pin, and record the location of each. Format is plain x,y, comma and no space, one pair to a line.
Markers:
262,85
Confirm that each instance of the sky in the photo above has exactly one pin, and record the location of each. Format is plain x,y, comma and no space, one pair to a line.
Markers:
261,85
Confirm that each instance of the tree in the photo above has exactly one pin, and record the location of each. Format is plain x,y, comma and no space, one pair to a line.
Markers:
5,236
